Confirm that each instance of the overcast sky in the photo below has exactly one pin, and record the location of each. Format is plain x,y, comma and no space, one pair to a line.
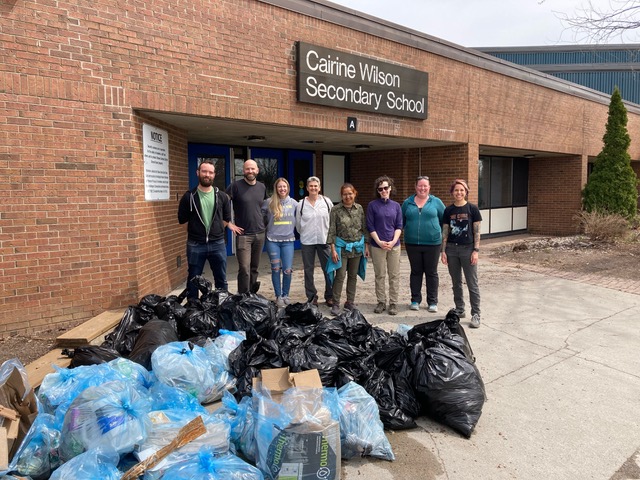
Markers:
488,23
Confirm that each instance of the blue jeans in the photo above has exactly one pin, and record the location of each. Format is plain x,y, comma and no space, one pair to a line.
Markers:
281,257
197,256
459,261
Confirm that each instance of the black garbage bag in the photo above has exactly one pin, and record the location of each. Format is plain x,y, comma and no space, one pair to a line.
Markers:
204,286
448,385
356,328
90,355
406,397
448,332
215,297
303,314
199,340
310,356
199,319
252,355
340,347
382,387
361,333
124,335
348,372
332,334
248,312
289,336
390,356
151,336
147,306
170,310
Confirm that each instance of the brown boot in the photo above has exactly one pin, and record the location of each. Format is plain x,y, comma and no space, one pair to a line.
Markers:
381,307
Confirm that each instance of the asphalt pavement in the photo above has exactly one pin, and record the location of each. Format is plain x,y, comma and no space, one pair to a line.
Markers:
559,360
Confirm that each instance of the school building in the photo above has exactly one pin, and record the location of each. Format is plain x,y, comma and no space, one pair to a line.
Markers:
106,107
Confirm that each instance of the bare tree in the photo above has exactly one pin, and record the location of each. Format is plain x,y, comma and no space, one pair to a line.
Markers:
600,24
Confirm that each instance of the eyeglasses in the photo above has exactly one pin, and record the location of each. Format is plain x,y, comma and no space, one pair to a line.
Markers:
422,177
384,189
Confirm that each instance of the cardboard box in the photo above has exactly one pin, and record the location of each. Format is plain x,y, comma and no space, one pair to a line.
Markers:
303,450
18,410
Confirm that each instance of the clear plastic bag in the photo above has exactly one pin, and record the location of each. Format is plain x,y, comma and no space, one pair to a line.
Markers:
166,424
361,430
241,418
206,466
113,415
186,366
297,436
38,454
97,463
60,388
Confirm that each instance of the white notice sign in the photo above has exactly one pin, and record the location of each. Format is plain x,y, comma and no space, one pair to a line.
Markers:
156,162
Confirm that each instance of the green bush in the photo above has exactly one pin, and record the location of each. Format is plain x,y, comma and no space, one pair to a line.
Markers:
613,186
603,227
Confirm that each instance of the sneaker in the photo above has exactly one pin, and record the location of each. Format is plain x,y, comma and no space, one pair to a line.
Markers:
329,302
286,299
461,314
393,309
314,300
415,306
381,307
475,321
280,302
255,287
349,305
335,309
433,308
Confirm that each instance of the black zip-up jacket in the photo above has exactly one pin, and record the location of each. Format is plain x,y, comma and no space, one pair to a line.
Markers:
190,210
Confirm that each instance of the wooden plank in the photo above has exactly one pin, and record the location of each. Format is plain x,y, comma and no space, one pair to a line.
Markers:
4,449
8,413
37,369
90,330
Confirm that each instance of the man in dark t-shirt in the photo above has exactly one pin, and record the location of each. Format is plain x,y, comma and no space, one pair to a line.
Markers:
247,195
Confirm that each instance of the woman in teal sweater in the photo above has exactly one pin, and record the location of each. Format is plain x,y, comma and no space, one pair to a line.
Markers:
422,219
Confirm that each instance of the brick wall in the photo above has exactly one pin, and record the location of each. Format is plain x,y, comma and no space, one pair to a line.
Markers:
77,236
555,186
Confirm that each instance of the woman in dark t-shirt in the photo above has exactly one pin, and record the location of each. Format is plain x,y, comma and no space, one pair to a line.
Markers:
461,247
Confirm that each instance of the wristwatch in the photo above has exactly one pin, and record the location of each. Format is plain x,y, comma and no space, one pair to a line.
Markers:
476,249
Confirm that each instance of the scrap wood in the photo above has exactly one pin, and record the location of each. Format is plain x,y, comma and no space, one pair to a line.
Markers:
9,413
188,433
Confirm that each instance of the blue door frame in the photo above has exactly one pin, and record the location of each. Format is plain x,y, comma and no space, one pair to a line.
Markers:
294,165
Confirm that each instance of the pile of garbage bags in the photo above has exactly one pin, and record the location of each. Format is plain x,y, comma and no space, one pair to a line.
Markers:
124,400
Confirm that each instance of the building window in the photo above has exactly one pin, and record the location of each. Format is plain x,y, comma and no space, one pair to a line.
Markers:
503,182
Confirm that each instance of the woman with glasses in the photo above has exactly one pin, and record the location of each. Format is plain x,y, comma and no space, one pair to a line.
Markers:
384,223
280,217
422,218
347,237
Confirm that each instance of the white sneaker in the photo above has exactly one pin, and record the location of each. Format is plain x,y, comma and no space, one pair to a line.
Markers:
414,306
433,308
475,321
286,299
280,302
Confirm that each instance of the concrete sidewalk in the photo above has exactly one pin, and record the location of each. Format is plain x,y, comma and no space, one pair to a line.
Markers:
559,359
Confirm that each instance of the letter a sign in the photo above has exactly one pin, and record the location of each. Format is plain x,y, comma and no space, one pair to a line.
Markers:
352,124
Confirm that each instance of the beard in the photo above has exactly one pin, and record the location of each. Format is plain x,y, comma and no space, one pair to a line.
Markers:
205,181
249,177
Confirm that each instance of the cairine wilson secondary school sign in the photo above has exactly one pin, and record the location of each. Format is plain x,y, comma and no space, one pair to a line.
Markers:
343,80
